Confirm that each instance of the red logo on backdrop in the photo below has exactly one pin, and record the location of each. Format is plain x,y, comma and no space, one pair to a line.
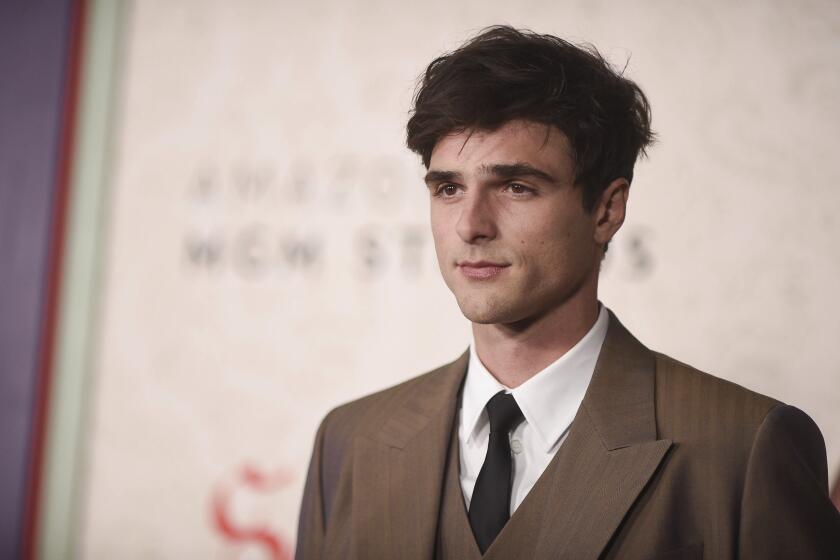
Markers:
254,534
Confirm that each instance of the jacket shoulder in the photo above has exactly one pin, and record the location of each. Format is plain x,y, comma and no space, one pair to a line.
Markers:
330,474
714,425
691,402
367,413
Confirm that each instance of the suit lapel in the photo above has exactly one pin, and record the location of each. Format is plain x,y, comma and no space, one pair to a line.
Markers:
398,474
609,456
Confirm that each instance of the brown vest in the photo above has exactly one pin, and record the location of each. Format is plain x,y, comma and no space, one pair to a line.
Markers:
455,540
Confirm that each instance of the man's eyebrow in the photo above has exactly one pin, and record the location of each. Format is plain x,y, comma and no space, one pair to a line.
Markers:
437,176
510,170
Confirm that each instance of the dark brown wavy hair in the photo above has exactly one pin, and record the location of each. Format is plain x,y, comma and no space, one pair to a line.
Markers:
504,74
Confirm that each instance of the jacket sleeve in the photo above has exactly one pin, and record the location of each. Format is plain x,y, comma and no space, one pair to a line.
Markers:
311,522
785,508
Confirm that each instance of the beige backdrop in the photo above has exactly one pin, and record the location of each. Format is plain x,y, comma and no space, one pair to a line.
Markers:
268,255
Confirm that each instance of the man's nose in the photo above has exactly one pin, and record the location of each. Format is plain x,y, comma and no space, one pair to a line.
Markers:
477,222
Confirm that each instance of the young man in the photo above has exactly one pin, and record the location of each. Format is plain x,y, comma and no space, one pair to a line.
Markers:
557,434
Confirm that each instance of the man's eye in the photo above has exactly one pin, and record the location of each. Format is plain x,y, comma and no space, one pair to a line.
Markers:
447,190
516,188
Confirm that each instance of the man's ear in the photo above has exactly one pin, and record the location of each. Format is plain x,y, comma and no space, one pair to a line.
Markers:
610,210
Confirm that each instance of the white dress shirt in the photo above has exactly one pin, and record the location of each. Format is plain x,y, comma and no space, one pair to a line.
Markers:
549,402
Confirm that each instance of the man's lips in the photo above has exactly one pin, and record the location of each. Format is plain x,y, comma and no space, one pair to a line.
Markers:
481,270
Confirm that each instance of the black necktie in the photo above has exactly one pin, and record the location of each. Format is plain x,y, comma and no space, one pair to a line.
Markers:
490,503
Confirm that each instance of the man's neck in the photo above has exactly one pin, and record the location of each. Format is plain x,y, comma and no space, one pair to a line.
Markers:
513,354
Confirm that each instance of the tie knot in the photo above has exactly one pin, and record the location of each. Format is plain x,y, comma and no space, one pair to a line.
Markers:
504,413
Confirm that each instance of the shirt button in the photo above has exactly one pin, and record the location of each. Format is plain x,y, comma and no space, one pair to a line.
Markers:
516,446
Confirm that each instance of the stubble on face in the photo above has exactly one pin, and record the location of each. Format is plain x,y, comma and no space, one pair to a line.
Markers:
512,238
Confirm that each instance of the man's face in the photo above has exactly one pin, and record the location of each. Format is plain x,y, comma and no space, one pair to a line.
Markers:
512,238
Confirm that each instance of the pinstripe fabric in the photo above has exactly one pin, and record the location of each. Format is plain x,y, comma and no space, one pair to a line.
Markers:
661,461
455,540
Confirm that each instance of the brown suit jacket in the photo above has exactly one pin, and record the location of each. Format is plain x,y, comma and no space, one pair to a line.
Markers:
661,461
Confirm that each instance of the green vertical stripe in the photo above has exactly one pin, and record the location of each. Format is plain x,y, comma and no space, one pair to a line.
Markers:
59,526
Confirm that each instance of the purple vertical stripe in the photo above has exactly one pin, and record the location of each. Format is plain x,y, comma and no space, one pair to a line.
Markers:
33,54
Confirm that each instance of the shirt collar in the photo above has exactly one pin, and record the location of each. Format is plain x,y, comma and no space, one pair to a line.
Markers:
550,399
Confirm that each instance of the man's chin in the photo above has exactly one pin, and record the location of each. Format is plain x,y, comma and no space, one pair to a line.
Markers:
485,314
481,320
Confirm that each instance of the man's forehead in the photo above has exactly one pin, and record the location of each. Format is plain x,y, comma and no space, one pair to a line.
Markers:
516,143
